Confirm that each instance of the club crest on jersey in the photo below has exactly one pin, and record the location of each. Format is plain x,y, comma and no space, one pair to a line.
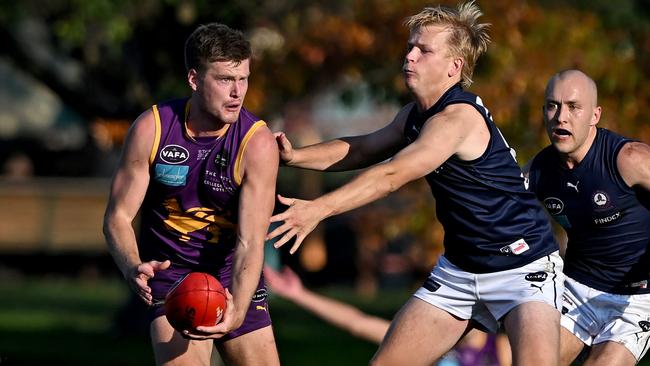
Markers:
600,199
221,160
174,154
553,205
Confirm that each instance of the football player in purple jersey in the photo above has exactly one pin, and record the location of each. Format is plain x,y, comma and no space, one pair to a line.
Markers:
201,171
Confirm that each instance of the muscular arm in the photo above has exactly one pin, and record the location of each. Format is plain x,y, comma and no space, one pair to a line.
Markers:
355,152
256,203
458,130
634,164
127,193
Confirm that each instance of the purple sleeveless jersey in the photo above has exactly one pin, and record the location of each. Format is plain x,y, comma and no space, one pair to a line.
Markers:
190,212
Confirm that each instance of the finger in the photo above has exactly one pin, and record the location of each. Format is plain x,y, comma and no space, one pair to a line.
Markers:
296,244
278,231
146,270
279,217
278,134
288,236
286,200
163,265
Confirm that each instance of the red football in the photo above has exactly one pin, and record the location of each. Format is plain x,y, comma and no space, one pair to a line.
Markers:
198,299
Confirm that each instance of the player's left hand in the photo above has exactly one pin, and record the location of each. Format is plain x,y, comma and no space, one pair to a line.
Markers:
300,219
226,325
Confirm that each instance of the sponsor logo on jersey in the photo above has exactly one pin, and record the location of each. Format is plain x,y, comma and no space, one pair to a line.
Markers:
639,284
431,285
171,175
574,186
607,219
554,205
515,248
537,276
174,154
260,295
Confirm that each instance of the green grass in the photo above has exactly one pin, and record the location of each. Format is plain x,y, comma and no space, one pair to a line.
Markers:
66,321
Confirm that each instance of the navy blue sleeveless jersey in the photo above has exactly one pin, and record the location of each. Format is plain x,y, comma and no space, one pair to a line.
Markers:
491,222
607,222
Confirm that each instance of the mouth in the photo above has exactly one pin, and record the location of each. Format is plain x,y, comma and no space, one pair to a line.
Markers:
233,107
561,132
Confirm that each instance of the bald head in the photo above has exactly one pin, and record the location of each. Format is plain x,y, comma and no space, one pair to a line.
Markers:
579,80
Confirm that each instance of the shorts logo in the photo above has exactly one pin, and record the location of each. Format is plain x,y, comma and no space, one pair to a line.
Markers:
645,325
260,295
537,276
553,205
171,175
564,310
174,154
431,285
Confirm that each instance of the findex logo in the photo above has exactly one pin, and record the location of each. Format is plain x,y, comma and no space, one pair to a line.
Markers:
174,154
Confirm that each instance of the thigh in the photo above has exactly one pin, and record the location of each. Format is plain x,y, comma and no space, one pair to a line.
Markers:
419,335
253,348
171,349
570,346
533,329
610,354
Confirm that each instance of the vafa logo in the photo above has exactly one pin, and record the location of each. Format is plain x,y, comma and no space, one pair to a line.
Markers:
174,154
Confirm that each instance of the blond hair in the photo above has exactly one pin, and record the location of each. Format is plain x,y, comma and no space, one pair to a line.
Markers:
468,39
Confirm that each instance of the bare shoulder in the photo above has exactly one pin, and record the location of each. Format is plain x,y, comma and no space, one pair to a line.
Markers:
262,141
143,126
634,163
460,114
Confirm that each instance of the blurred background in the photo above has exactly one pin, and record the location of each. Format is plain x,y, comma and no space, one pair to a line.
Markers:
74,74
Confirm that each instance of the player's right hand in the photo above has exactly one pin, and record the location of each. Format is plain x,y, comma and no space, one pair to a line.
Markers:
139,276
284,145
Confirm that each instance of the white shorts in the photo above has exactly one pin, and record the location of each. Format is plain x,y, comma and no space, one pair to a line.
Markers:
595,317
487,297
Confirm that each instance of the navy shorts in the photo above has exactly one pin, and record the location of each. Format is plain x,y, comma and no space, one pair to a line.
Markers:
257,316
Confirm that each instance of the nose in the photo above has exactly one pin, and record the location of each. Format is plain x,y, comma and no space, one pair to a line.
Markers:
562,114
236,89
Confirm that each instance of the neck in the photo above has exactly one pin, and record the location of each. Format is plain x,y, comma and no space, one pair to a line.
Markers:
432,95
199,123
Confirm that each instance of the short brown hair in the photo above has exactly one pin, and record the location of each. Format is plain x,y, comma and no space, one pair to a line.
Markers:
215,42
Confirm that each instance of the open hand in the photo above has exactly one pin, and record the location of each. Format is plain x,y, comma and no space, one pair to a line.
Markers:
300,219
139,276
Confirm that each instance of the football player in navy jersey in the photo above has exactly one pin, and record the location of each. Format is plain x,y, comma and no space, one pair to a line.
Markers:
201,172
501,261
595,184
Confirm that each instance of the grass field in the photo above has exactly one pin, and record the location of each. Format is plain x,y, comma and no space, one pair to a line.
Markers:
69,321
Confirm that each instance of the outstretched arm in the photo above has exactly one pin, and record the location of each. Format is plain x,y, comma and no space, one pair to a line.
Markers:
346,153
442,136
289,286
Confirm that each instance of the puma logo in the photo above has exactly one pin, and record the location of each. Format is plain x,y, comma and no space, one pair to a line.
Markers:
574,186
